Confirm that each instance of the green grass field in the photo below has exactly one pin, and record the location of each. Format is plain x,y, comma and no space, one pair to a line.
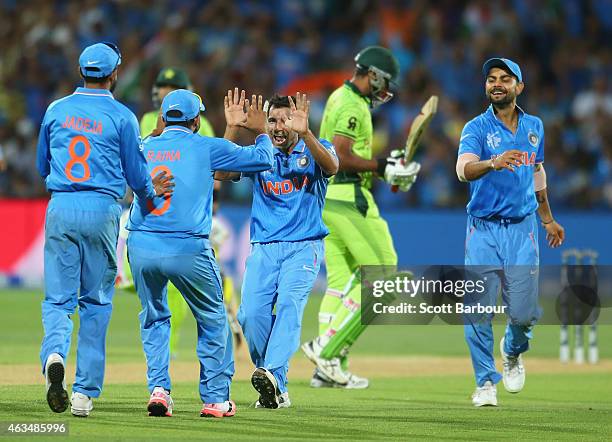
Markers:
565,404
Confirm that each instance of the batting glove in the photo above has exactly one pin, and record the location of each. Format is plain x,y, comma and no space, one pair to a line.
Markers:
396,173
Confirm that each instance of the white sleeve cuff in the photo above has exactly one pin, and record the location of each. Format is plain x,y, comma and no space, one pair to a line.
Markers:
464,159
539,179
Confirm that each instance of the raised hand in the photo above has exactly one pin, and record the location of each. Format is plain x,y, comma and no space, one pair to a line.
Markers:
256,115
298,115
160,126
234,108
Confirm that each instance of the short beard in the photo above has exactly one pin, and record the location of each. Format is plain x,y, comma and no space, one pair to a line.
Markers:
503,104
113,85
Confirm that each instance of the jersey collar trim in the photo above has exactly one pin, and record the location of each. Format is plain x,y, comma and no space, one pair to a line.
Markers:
93,92
176,129
355,89
491,113
299,148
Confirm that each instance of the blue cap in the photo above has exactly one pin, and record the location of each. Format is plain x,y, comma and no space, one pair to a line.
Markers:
181,105
99,60
503,63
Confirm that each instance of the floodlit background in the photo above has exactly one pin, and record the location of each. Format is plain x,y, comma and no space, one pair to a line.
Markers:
420,375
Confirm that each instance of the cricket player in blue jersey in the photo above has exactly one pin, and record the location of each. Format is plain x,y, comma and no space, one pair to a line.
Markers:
169,241
287,234
89,145
501,154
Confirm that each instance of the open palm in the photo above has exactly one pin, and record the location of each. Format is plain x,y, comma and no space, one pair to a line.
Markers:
234,108
298,114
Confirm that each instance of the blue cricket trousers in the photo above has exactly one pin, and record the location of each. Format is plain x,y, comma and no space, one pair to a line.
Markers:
189,263
506,254
278,279
81,231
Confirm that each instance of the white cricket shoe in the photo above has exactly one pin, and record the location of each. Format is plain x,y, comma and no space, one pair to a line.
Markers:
265,383
319,380
331,368
283,401
160,403
80,404
356,382
55,380
514,371
485,395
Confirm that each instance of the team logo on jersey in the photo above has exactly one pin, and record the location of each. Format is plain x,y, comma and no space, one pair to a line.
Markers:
493,140
303,162
533,139
352,123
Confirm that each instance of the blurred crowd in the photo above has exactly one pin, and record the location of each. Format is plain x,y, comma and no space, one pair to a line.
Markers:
563,48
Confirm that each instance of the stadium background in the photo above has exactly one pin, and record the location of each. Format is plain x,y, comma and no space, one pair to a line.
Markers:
564,51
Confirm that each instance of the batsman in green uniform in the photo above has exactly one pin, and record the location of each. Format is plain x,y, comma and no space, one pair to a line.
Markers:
358,235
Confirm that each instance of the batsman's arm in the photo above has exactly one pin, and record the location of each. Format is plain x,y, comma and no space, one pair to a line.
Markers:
555,233
348,161
327,161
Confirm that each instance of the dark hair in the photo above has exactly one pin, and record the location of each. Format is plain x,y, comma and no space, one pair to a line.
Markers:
96,80
279,101
181,123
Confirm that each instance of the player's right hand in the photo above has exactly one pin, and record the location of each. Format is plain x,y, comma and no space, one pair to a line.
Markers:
163,184
233,104
508,160
256,115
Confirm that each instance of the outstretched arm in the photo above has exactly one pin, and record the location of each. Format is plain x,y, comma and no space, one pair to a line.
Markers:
469,168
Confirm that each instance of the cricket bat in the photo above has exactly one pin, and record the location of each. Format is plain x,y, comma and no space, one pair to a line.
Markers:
419,124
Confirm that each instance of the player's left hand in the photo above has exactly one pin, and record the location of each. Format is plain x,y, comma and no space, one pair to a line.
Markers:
298,115
160,126
555,234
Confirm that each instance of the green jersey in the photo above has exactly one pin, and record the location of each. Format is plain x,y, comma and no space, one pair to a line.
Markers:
347,113
149,122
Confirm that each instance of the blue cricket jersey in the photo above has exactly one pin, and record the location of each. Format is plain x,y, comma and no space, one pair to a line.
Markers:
192,160
503,194
288,199
88,141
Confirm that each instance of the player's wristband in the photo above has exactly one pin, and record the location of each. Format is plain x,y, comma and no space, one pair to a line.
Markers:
381,166
492,164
